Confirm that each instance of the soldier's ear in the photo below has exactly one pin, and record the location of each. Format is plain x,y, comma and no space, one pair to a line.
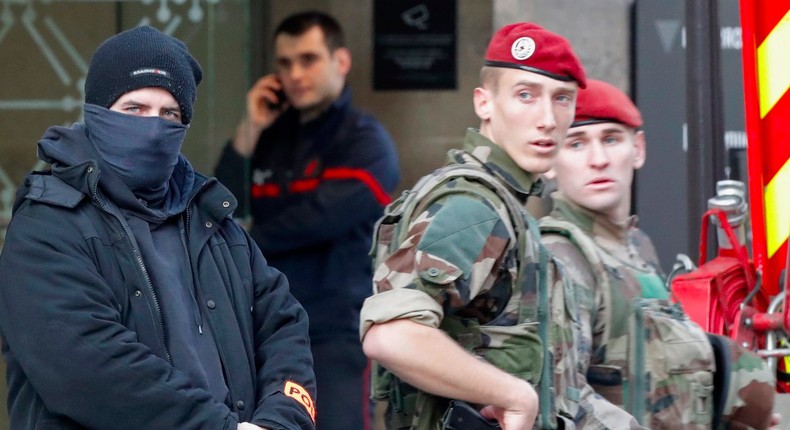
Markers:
550,175
482,100
640,150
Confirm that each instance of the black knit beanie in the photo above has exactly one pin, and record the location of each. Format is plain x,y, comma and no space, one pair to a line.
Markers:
139,58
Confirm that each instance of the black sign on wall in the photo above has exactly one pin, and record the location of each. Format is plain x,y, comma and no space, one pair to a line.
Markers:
415,45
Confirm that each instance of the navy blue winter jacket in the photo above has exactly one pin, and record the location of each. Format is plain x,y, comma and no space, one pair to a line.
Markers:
316,192
83,329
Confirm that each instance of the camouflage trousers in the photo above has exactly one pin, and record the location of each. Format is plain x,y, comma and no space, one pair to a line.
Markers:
745,387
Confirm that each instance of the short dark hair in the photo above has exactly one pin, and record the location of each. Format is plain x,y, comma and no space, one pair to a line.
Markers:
299,23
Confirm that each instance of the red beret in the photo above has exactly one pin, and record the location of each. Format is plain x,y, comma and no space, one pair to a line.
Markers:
603,102
532,48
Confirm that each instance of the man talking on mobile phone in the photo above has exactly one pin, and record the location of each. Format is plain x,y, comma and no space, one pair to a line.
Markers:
315,174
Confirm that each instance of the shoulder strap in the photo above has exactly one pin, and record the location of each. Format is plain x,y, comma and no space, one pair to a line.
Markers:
582,241
46,188
415,199
519,215
585,244
523,225
546,381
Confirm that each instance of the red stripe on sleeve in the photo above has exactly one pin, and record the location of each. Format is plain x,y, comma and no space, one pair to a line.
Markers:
265,190
304,185
340,173
360,175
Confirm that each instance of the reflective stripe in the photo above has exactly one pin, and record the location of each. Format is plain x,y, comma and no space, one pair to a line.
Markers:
773,63
265,190
765,27
777,209
306,185
342,173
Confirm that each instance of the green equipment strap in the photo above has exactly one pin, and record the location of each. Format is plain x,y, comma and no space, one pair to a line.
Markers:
547,377
637,366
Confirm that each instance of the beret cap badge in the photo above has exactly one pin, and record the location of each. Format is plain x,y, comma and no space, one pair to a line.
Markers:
523,48
529,47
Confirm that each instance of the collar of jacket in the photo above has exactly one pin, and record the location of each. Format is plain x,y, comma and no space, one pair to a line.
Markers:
340,104
67,186
206,211
500,164
43,187
62,186
592,223
213,200
343,100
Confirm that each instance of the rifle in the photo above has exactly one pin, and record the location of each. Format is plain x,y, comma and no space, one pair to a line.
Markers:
462,416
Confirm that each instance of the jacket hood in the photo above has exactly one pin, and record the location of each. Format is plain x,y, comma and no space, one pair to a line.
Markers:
60,145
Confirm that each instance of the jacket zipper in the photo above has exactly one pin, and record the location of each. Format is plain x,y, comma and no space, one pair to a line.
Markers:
188,212
139,258
185,241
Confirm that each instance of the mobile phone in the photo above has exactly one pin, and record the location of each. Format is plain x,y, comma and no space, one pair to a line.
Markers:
281,98
462,416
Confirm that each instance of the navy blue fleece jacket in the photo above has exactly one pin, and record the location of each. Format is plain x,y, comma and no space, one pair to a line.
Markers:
316,192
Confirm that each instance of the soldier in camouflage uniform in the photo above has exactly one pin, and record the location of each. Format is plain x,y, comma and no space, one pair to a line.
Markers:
460,262
590,230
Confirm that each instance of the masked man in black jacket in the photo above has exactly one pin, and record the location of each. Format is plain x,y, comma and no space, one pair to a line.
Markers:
130,298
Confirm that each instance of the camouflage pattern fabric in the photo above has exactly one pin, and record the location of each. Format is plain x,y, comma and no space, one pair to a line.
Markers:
749,393
458,269
624,274
670,368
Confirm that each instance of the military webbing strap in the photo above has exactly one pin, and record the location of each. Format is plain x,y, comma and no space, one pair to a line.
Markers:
415,198
635,399
427,185
617,321
546,380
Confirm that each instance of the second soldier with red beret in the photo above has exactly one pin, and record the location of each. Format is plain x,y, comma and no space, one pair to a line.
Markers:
460,309
614,265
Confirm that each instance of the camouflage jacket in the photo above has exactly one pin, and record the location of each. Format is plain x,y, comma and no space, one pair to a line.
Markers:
459,260
625,249
632,270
